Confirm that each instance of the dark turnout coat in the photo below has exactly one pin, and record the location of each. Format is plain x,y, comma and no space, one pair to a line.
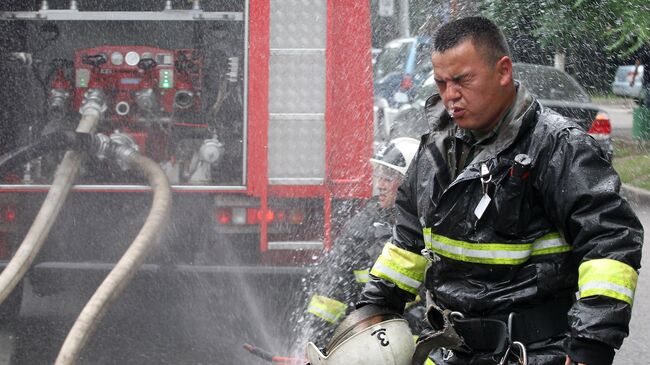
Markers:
338,279
557,229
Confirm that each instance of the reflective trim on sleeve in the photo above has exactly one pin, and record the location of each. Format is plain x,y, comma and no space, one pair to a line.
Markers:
550,244
362,276
326,308
607,277
493,253
402,267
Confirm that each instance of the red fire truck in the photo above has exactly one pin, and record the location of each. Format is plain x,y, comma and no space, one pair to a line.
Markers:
259,113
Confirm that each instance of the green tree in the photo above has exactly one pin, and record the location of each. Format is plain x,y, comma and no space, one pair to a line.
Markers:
595,35
621,26
628,23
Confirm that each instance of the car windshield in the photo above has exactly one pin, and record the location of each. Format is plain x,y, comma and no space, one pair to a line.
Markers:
392,58
549,83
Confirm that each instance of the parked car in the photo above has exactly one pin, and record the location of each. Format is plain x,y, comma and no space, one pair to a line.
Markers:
621,84
559,91
401,66
553,88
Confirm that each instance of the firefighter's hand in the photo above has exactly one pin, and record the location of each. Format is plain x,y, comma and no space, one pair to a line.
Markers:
568,361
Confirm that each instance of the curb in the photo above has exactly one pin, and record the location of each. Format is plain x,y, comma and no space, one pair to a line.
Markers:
636,195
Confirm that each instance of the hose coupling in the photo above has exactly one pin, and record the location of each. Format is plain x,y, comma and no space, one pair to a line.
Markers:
119,147
94,102
58,104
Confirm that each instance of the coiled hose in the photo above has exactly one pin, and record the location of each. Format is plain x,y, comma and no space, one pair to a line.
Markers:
126,267
64,177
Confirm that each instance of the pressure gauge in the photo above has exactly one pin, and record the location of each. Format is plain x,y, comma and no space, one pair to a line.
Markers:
132,58
117,58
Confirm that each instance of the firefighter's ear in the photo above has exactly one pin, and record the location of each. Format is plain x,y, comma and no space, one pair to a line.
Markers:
503,69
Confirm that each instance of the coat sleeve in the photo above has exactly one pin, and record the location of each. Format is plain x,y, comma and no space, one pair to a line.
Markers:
580,192
398,273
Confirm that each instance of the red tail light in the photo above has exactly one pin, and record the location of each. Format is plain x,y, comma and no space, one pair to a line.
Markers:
407,82
254,216
8,214
224,215
293,216
601,124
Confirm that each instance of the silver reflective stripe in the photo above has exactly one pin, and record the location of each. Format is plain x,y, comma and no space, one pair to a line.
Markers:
608,286
494,253
485,254
552,245
380,267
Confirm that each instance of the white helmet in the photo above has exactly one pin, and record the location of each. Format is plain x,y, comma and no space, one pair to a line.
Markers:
370,335
397,154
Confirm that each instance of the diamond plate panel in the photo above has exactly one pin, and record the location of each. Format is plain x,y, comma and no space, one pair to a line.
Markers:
297,83
298,23
296,150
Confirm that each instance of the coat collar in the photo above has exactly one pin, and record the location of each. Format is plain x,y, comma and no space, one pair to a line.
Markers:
441,122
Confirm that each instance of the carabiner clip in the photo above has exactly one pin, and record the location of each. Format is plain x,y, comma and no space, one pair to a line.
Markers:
523,354
505,356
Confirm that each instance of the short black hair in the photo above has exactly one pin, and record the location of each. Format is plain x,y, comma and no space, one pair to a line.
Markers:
482,32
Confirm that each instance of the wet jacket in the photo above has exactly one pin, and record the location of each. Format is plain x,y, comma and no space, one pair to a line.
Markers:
555,229
339,278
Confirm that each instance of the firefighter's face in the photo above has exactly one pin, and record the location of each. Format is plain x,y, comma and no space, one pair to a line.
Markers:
387,181
475,90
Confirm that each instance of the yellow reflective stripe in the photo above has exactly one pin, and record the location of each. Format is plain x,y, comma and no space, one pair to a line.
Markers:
362,276
493,253
326,308
402,267
550,244
607,277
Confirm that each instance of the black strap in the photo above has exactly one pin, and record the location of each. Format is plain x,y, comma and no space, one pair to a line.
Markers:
493,334
541,322
483,334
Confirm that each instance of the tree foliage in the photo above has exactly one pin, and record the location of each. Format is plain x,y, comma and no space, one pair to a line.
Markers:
622,27
630,27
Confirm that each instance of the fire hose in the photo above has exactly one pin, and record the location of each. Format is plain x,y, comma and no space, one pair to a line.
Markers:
128,264
273,359
64,177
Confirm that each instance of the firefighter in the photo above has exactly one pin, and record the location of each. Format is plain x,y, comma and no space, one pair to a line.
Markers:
510,215
343,271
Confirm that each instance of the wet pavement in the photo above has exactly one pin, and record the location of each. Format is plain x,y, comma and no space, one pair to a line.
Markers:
636,348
